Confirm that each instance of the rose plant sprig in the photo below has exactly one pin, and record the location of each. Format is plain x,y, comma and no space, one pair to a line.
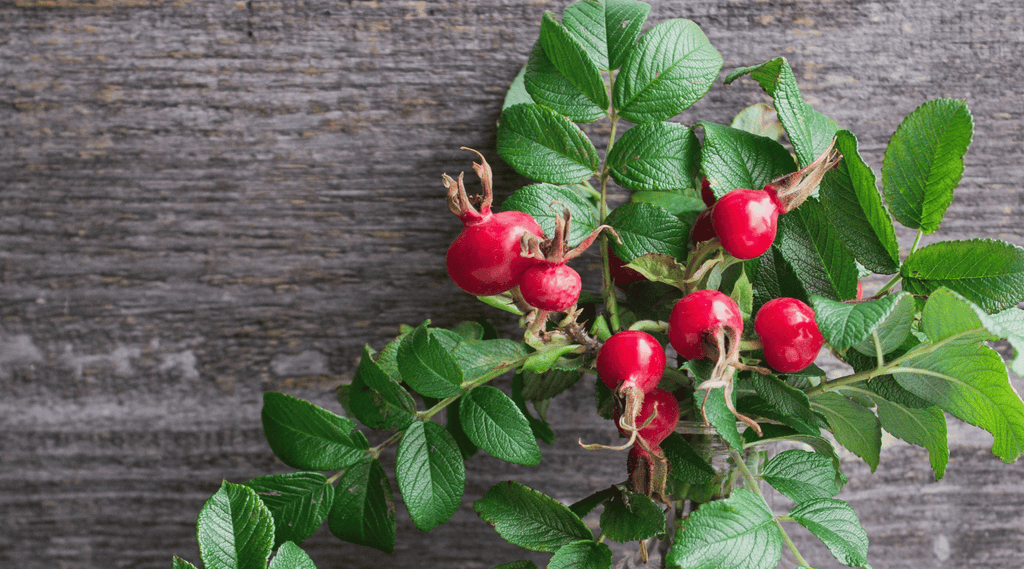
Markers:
748,259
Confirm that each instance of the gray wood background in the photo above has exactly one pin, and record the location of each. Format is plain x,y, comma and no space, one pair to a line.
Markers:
204,200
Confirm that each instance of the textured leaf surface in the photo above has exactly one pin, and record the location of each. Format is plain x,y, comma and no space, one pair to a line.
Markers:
544,84
720,417
760,119
291,556
608,30
427,366
378,401
645,228
656,156
892,332
493,422
363,511
732,159
671,68
298,501
529,519
988,272
179,563
541,144
736,533
811,244
538,200
307,437
836,525
235,530
786,399
570,58
846,325
924,162
802,476
630,516
586,554
854,426
687,466
430,473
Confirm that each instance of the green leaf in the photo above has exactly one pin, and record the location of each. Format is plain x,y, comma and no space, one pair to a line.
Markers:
307,437
363,511
810,131
892,332
847,325
541,144
586,505
291,556
836,525
854,426
584,554
544,386
493,422
924,162
760,119
518,565
482,358
517,94
720,417
541,429
529,519
645,228
1009,324
656,156
630,516
736,533
671,68
430,473
503,301
851,199
817,443
235,530
298,501
427,366
687,466
539,200
924,427
376,400
571,60
802,476
811,244
786,399
660,268
772,276
960,374
732,158
608,30
547,86
179,563
685,205
987,272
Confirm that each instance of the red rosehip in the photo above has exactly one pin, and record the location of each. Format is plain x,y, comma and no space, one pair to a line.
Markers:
551,286
703,229
789,334
695,317
622,275
746,221
662,425
632,359
705,192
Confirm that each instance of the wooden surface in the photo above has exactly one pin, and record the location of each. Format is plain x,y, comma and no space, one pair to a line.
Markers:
204,200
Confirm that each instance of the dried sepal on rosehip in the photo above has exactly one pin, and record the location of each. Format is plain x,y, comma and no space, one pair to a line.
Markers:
631,364
485,258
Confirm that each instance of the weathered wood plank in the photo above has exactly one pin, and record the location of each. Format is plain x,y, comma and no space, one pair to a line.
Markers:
201,201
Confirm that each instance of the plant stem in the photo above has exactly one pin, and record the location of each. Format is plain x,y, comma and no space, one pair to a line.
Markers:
610,301
898,277
751,483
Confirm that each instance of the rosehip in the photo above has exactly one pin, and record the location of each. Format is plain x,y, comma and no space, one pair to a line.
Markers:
695,317
703,230
631,358
622,275
788,333
551,286
485,258
746,221
663,423
705,192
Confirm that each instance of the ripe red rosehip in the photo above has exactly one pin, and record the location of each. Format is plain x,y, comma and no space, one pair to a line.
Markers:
746,221
631,358
662,425
694,318
789,334
703,229
622,275
551,286
705,192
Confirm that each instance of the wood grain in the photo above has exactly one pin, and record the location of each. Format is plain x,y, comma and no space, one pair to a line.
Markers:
203,201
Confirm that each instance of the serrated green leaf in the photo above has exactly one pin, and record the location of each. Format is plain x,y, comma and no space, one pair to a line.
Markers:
810,131
644,229
802,476
988,272
756,406
541,429
291,556
430,474
518,565
483,358
298,501
571,60
958,372
630,516
493,422
671,68
179,563
811,244
454,427
376,400
363,511
307,437
427,366
892,332
687,466
517,94
685,205
503,301
585,554
786,399
854,426
732,158
607,30
544,145
760,119
660,268
772,276
552,382
851,199
537,200
547,86
235,530
816,443
387,359
836,525
736,533
529,519
847,325
658,156
924,162
586,505
720,417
